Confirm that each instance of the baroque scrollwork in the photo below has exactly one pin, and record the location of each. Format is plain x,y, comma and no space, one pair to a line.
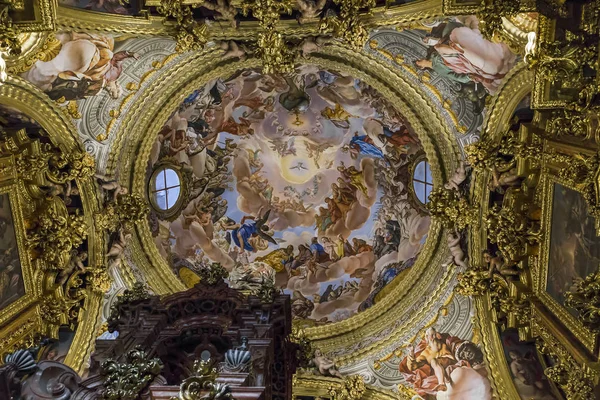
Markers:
190,34
126,381
121,212
508,170
576,381
347,24
271,45
452,209
203,385
56,225
353,388
584,297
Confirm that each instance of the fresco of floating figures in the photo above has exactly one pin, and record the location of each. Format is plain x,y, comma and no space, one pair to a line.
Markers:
90,74
438,357
301,179
452,62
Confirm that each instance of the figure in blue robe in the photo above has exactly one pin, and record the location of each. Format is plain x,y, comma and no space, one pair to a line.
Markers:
364,145
247,228
245,231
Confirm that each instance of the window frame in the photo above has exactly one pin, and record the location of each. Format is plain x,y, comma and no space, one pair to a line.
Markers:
174,209
424,182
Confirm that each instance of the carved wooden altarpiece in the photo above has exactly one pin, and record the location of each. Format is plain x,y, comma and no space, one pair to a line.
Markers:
205,322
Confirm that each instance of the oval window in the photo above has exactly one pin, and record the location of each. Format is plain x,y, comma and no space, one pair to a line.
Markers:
166,189
422,181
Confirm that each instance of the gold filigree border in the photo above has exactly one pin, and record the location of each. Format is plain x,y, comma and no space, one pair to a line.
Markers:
21,95
133,143
515,88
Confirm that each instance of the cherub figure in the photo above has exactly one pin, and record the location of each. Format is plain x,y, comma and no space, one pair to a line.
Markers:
504,179
223,7
325,366
109,185
309,9
458,255
117,248
76,262
497,263
458,178
233,50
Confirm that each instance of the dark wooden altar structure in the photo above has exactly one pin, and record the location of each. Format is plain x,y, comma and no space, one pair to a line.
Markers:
204,323
161,343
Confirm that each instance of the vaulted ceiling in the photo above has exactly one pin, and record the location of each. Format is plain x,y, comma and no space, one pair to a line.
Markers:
300,157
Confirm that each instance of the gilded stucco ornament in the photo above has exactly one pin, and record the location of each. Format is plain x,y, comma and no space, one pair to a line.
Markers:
584,297
452,209
9,39
565,61
353,388
202,384
190,34
506,167
515,234
576,380
304,350
54,234
126,381
122,211
575,383
271,47
347,25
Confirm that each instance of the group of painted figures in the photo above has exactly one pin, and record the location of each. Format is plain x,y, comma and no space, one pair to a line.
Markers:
226,138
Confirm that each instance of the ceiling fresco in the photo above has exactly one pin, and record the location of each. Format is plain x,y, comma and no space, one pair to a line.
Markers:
304,179
311,181
451,60
89,75
96,77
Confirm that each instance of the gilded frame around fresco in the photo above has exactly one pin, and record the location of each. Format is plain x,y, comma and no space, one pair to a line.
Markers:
556,311
21,331
458,7
76,19
542,88
24,306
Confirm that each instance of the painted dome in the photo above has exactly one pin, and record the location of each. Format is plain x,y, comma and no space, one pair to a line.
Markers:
305,180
